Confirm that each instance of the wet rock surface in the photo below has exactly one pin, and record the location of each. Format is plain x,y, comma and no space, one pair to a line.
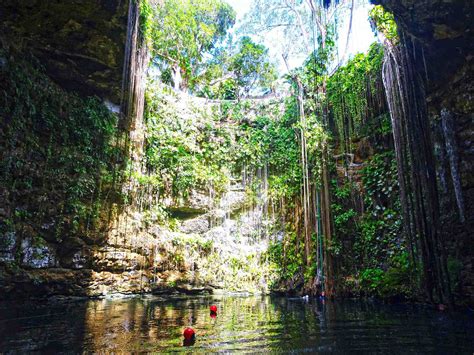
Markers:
218,249
7,247
196,225
441,34
37,254
81,44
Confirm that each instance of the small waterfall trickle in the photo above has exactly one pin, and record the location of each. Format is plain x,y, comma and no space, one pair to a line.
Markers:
450,142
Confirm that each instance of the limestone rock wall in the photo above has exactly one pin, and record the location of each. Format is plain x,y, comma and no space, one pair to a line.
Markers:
441,34
218,247
221,247
60,62
81,43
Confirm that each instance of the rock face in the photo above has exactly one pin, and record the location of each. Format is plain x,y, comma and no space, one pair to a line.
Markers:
444,28
208,252
220,247
7,247
60,53
81,43
441,34
196,225
37,254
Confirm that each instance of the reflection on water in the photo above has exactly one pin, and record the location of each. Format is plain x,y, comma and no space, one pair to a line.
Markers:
243,324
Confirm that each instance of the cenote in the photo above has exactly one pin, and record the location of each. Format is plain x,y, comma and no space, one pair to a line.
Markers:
158,157
243,324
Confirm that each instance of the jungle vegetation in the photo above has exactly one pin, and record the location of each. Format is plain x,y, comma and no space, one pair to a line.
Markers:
321,148
342,227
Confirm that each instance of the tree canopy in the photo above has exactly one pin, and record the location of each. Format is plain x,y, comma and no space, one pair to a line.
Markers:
193,49
184,32
251,65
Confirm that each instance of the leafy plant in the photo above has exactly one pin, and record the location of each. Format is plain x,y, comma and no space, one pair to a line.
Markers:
350,90
183,32
251,66
57,149
383,21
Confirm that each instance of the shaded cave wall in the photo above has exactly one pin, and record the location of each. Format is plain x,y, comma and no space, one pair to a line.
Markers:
81,44
440,37
72,81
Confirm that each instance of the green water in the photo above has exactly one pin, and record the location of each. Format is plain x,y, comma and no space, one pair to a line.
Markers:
243,324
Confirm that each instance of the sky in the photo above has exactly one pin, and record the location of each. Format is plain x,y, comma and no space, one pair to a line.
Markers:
360,40
240,6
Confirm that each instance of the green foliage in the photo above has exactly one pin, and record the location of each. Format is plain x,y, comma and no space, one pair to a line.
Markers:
379,247
146,20
251,66
172,283
379,177
270,140
352,90
372,240
286,257
183,32
380,235
183,152
314,72
343,217
201,149
346,223
371,279
396,281
58,157
383,22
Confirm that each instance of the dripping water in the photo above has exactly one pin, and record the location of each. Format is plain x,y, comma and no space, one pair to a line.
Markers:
450,142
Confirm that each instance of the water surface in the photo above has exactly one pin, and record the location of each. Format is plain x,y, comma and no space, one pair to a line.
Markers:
243,324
